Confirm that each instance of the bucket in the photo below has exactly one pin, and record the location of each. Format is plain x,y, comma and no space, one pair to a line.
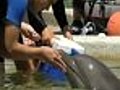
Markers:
52,73
69,47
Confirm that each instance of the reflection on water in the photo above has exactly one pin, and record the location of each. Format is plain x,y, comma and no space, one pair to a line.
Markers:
35,81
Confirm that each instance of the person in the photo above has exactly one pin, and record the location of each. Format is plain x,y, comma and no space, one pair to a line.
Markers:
38,23
45,31
85,20
11,16
78,15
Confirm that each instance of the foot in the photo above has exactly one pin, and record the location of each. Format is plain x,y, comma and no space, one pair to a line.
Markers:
76,27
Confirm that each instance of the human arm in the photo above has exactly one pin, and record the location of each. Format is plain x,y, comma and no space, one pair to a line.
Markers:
36,20
39,25
13,20
29,32
19,51
59,12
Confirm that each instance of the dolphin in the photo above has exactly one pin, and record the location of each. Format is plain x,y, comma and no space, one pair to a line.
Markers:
88,72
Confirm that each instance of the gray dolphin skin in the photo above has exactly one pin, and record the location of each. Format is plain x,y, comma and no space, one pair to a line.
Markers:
86,71
72,71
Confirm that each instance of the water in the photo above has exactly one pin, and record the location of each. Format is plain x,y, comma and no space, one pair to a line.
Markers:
36,82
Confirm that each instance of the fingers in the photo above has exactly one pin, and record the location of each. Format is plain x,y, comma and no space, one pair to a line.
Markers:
59,61
57,54
69,35
47,35
34,36
46,42
58,64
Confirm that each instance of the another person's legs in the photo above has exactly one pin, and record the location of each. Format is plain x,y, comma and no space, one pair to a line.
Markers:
25,68
78,9
78,15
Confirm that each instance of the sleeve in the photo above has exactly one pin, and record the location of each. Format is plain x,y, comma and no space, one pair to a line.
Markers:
36,20
15,11
59,12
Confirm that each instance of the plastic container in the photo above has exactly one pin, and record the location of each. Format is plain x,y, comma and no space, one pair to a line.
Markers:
54,74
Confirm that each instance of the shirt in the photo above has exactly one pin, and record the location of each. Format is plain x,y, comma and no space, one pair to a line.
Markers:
15,11
38,22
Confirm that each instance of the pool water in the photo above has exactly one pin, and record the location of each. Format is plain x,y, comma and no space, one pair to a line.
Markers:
36,81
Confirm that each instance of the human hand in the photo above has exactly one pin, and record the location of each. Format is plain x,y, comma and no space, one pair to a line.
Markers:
47,35
67,33
52,56
28,41
28,31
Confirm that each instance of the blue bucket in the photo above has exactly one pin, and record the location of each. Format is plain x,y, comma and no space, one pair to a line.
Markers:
53,73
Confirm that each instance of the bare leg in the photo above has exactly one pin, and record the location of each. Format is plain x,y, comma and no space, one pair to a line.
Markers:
25,68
